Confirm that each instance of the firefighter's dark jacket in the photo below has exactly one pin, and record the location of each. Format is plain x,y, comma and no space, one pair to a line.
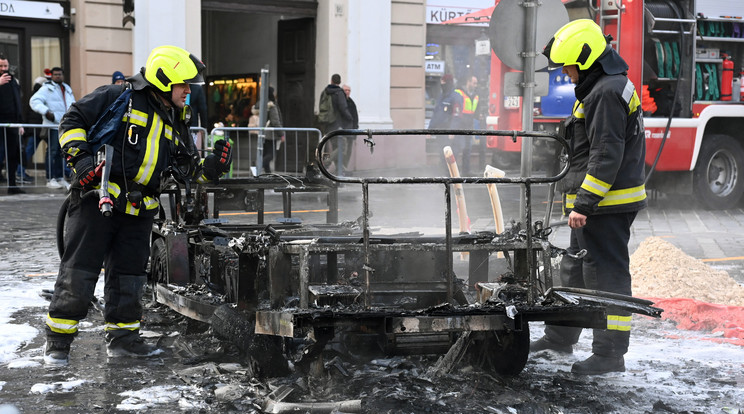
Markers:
152,138
607,139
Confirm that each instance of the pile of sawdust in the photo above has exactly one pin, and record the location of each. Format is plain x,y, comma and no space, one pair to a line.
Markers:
661,270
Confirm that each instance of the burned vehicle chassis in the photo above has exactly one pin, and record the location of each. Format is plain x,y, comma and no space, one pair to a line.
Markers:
288,291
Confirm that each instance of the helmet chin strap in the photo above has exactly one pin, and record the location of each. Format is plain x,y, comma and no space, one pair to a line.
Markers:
166,103
167,96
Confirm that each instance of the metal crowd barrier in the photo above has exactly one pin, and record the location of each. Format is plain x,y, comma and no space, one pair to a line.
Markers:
286,151
200,134
290,150
33,152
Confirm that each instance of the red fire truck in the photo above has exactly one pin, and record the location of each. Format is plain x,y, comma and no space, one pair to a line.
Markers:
685,58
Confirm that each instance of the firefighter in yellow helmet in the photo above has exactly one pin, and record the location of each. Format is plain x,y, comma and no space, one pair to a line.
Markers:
152,137
604,189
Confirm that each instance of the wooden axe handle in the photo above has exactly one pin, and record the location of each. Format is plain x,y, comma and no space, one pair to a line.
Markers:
462,210
498,215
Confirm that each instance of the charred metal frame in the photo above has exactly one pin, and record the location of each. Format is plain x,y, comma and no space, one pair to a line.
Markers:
247,194
526,182
267,271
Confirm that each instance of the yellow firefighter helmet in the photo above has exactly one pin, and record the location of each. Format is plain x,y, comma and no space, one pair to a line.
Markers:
580,42
168,65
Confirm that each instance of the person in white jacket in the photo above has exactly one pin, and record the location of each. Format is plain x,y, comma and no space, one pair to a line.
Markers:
51,101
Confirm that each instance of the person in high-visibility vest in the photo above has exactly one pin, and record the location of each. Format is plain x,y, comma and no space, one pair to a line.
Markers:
468,120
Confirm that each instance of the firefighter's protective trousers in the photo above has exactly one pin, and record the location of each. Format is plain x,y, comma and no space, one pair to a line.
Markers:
605,268
122,243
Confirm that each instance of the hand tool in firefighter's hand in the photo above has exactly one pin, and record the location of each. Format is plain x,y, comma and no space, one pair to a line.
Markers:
578,256
105,204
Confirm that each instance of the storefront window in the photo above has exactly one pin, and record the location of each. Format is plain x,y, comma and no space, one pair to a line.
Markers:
230,98
9,48
451,47
46,53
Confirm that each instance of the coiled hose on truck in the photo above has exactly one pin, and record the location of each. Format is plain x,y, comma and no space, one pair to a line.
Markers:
667,9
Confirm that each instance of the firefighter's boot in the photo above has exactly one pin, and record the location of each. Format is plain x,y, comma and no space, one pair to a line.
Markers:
597,364
545,344
56,352
130,344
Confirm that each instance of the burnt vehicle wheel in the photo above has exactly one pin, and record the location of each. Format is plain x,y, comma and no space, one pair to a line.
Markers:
158,267
502,352
719,175
158,262
262,354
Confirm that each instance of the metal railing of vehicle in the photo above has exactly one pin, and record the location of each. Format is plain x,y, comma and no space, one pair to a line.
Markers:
33,166
290,151
525,182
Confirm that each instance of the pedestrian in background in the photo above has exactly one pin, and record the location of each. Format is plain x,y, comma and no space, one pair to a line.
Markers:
467,120
353,124
198,103
604,188
153,140
52,101
10,112
274,121
333,112
446,115
118,78
341,116
35,136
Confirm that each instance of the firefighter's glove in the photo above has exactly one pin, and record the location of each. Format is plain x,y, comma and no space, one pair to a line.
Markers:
85,173
223,153
218,162
49,115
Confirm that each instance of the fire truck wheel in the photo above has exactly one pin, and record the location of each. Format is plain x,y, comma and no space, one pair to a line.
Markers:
502,352
719,175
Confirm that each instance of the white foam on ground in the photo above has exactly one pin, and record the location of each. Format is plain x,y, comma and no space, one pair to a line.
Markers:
150,397
57,387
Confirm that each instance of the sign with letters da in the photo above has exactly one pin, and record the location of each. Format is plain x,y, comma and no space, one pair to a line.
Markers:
31,9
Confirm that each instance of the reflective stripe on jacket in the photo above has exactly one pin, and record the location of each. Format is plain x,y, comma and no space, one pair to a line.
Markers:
152,138
608,143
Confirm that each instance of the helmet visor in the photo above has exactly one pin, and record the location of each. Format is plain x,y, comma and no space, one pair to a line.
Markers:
546,51
199,78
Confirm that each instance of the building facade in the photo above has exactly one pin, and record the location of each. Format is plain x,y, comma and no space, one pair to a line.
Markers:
378,48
